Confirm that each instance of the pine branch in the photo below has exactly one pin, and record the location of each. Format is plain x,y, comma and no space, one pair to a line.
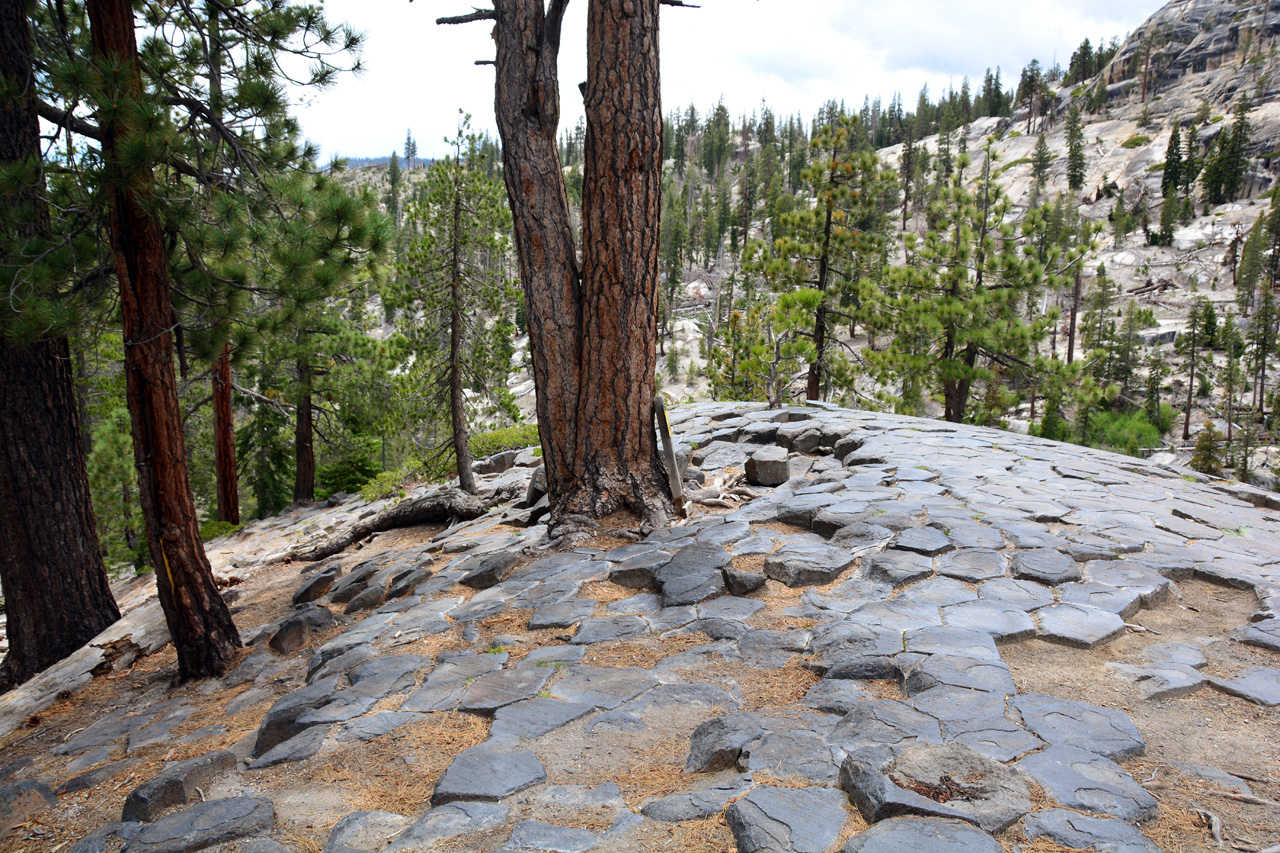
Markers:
477,15
68,121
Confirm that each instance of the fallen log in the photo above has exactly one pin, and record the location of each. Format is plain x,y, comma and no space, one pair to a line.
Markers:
442,507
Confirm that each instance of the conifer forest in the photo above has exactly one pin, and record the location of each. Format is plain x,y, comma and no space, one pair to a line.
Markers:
204,323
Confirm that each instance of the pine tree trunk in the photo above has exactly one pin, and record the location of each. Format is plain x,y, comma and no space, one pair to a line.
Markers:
617,459
304,477
527,107
56,593
1075,310
54,583
457,403
203,634
224,440
813,387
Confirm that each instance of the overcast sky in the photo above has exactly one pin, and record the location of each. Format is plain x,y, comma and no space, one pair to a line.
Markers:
793,54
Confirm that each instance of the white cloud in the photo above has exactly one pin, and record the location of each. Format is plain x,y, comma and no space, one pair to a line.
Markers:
793,54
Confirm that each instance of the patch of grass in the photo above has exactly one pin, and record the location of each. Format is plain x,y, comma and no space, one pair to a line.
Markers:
1019,162
214,529
1136,141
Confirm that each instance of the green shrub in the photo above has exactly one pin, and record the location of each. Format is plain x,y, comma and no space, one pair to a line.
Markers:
442,466
511,438
214,529
1135,141
1007,166
1125,432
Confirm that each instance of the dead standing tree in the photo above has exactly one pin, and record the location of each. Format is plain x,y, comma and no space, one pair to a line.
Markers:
592,328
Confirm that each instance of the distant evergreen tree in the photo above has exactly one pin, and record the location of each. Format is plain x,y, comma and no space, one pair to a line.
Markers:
1041,159
1192,343
1075,148
1207,458
410,150
1171,181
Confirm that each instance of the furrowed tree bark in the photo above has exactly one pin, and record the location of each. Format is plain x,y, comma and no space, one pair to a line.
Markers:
56,593
813,385
622,188
304,477
527,106
457,402
199,622
224,440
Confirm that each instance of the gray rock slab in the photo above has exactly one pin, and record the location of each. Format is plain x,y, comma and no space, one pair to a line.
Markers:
534,718
1122,601
610,628
923,540
1078,625
985,674
1264,635
1217,776
804,510
1150,585
176,785
899,568
104,731
488,773
490,571
375,725
696,558
445,822
730,607
693,587
1180,654
804,755
204,825
975,536
490,692
724,534
922,835
1045,565
448,682
1079,779
1258,685
739,582
939,591
995,797
1082,832
83,782
894,615
1064,722
365,830
553,655
300,747
804,820
836,696
768,466
603,688
696,805
885,723
877,797
641,604
1003,623
540,836
1024,595
565,614
670,618
1162,680
23,799
717,744
946,640
807,564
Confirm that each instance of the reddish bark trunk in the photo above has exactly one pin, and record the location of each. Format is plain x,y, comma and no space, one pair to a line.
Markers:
527,106
200,624
457,400
224,440
617,450
55,586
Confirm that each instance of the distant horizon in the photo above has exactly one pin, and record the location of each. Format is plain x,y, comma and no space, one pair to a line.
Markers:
418,75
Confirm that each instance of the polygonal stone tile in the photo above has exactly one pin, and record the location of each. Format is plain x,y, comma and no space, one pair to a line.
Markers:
1258,685
899,568
1079,779
804,820
949,640
885,723
896,615
928,541
1077,831
1004,624
1024,595
562,615
991,676
807,564
603,688
1123,602
505,687
1150,585
609,628
1064,722
488,773
1045,565
940,591
1077,625
922,835
786,754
